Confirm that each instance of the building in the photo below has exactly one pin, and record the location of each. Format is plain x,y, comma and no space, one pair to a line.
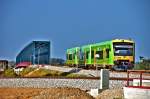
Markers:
3,65
37,52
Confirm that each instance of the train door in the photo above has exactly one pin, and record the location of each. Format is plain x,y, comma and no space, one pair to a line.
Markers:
86,57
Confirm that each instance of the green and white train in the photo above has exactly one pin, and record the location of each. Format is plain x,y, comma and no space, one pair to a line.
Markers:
113,54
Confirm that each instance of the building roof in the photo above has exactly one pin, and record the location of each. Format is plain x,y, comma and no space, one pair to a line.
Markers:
23,64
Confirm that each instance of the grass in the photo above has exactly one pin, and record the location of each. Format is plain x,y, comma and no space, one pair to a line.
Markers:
51,73
9,73
39,72
44,73
26,71
75,75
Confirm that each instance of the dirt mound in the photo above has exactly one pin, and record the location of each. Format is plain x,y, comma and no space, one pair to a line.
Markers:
43,93
111,94
18,93
63,93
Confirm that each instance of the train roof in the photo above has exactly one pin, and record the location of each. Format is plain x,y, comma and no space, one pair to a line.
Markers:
73,49
108,42
123,40
102,43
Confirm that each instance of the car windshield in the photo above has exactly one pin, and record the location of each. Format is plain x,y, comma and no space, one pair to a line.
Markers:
123,50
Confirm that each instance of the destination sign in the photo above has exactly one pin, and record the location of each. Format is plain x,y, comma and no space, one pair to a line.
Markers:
123,46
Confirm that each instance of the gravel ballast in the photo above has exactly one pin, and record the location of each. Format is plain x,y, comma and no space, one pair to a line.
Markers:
84,84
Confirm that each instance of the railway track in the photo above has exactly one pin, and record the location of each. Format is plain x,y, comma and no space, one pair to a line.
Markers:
89,78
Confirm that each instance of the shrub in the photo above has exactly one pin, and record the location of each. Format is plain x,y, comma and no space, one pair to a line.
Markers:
9,73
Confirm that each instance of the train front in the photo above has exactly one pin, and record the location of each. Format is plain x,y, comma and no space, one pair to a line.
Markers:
124,54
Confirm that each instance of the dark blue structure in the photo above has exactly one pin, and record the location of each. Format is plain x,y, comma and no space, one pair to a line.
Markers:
37,52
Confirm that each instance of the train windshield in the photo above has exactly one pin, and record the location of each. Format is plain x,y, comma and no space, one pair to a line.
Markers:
123,49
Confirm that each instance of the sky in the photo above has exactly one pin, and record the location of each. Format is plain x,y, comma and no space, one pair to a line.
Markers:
71,23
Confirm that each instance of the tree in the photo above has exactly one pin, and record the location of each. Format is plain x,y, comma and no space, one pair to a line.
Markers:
57,61
143,65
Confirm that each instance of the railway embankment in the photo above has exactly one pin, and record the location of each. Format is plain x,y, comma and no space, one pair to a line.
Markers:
94,73
85,84
117,80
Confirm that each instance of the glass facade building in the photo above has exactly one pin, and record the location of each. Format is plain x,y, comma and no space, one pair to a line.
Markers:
37,52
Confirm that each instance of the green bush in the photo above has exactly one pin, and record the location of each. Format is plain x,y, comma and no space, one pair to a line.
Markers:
9,73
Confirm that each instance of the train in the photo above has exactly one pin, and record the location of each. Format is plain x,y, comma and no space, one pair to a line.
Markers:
116,54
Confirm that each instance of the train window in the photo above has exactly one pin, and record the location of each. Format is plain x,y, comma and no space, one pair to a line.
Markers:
70,56
92,54
87,55
100,53
107,53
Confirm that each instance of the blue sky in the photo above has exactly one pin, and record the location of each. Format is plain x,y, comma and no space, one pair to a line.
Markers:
70,23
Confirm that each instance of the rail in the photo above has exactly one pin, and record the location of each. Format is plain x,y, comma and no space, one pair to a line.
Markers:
88,78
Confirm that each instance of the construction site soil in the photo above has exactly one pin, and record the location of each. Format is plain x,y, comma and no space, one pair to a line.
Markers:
56,93
43,93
